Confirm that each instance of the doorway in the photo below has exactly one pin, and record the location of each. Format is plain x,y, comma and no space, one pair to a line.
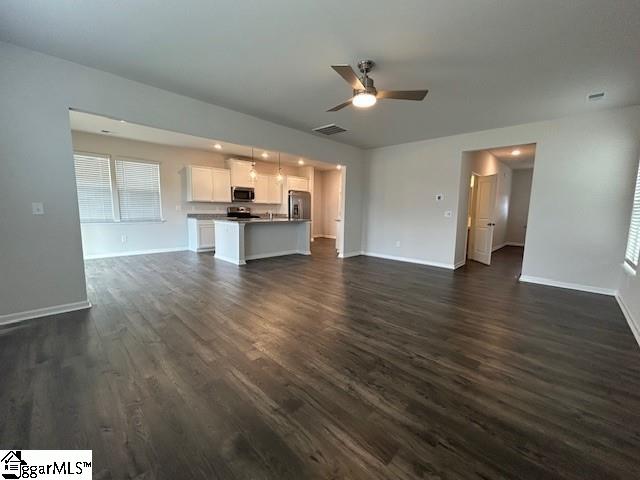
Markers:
498,186
328,207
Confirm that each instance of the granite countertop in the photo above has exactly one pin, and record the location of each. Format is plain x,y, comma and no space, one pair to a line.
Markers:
206,216
261,220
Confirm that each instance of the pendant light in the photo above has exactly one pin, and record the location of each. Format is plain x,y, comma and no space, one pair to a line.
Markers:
279,178
252,173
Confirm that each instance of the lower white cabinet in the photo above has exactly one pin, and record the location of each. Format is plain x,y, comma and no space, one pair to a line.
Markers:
201,235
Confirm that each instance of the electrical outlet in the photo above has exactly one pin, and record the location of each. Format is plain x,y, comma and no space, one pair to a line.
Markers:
37,208
123,239
448,213
178,208
397,243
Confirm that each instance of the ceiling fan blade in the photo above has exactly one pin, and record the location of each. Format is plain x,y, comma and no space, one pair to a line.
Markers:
341,106
403,94
346,72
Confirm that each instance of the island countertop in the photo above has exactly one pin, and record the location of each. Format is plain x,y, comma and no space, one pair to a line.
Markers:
260,220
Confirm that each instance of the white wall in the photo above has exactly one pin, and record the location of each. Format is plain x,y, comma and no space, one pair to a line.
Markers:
580,203
519,205
43,253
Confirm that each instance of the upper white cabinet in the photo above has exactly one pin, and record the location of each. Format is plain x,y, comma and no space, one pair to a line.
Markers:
221,185
274,189
240,173
297,183
206,184
267,189
199,184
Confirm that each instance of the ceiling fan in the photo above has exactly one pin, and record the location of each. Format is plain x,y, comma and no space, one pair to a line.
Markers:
364,93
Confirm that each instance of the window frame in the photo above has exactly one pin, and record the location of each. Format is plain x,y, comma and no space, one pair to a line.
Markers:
632,263
117,193
111,178
115,196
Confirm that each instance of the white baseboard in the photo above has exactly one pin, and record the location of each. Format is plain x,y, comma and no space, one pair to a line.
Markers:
513,244
459,264
498,247
571,286
43,312
633,324
332,237
135,252
350,254
276,254
448,266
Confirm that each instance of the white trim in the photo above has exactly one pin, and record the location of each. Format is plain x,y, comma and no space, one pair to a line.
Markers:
459,264
235,261
275,254
513,244
322,235
570,286
448,266
498,247
633,325
350,254
136,252
43,312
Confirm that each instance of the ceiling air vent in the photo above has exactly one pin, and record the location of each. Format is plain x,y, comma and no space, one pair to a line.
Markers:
330,129
595,96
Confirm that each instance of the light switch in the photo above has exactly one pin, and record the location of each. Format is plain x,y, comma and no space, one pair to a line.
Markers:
448,213
37,208
439,197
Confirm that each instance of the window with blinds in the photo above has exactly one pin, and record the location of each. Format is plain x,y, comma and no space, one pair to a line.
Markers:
633,243
93,180
138,189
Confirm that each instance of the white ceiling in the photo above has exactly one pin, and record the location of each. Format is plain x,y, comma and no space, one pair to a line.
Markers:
86,122
487,63
524,160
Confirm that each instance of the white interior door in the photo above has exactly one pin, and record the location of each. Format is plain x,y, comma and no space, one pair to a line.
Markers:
483,219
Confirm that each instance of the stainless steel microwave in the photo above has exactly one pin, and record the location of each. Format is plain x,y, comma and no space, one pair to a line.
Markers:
243,194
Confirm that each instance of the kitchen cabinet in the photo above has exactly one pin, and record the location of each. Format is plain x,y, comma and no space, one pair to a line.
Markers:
201,234
221,185
274,190
207,184
240,173
297,183
262,189
267,189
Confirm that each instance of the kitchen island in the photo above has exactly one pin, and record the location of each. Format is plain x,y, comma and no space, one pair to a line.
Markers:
239,240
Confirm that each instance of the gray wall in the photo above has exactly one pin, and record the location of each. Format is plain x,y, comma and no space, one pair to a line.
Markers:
44,253
580,203
519,205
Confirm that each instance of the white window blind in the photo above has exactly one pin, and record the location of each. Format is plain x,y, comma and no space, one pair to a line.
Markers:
633,243
93,179
138,187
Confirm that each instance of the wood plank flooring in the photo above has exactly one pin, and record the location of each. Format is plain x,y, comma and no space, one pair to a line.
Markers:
315,367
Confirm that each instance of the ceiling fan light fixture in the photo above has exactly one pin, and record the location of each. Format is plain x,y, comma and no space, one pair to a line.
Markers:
364,100
516,152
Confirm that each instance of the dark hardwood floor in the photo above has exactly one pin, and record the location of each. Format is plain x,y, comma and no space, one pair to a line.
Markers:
314,367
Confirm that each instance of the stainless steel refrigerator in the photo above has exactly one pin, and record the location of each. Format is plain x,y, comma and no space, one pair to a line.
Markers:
299,205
